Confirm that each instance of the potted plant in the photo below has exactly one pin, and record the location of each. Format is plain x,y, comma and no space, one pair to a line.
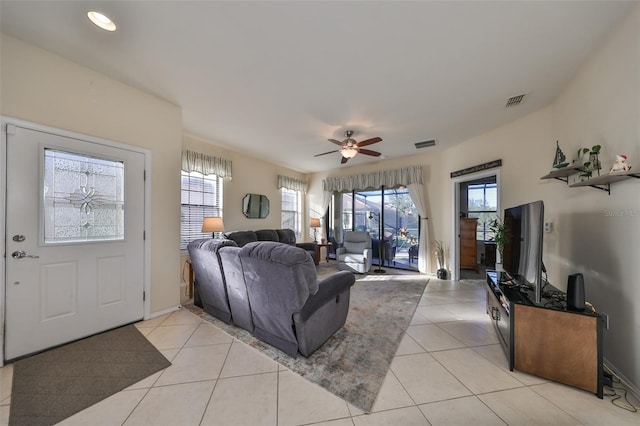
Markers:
501,237
439,252
592,164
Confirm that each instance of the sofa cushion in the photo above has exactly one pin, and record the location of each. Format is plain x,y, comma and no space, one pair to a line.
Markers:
287,236
285,254
356,247
210,286
241,238
236,287
268,235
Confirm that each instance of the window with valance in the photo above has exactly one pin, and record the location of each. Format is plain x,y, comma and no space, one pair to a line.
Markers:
291,190
410,177
200,192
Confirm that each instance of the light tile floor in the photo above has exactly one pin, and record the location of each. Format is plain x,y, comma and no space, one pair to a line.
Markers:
448,370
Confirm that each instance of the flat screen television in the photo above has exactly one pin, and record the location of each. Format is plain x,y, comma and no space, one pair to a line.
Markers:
522,258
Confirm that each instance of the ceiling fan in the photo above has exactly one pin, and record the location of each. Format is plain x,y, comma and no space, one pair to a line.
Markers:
349,147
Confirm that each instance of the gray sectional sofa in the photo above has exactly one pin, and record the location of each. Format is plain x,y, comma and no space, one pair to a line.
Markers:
271,290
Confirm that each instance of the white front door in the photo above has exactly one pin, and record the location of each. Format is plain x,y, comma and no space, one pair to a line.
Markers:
74,239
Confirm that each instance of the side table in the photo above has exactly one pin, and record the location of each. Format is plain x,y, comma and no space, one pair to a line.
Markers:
191,278
326,246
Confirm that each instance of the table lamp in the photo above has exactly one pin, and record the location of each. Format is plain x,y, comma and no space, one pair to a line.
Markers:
315,224
213,225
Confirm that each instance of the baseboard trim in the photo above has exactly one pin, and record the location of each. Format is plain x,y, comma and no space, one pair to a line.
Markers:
163,312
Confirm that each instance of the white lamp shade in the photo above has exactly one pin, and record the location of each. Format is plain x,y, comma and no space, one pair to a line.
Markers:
315,222
348,152
212,224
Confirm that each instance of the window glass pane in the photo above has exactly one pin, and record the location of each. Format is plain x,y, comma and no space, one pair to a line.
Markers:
491,197
476,201
347,216
482,204
391,210
83,198
291,210
201,196
401,217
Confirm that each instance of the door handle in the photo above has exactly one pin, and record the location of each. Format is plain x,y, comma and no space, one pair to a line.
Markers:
19,254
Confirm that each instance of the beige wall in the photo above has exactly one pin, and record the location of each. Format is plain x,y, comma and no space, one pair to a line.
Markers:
44,88
599,235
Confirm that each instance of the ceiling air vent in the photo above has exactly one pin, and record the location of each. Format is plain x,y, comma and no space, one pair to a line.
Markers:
425,144
514,100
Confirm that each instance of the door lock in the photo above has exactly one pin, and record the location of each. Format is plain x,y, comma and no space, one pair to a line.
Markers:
19,254
18,238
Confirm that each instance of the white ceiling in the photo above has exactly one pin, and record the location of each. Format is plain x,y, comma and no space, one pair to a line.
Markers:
277,79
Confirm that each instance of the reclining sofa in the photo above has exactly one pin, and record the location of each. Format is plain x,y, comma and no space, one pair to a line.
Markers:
285,236
271,290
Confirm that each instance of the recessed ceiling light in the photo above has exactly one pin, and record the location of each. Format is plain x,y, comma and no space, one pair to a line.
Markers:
101,20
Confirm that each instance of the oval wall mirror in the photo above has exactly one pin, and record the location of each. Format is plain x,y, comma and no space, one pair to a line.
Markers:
255,206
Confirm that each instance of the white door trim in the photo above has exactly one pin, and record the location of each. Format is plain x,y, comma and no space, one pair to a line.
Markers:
454,258
4,121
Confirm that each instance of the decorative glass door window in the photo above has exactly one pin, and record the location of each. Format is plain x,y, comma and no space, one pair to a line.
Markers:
83,198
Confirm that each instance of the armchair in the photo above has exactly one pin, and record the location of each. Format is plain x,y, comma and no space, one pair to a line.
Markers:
291,309
356,254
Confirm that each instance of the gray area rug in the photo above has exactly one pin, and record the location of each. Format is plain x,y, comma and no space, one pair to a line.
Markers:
53,385
354,362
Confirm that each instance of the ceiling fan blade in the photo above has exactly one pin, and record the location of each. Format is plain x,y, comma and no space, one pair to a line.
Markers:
369,152
328,152
335,141
344,160
369,141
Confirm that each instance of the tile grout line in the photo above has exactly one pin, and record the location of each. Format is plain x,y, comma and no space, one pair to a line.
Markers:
215,385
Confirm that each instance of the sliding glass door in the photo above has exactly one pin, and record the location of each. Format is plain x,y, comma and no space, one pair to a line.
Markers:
388,215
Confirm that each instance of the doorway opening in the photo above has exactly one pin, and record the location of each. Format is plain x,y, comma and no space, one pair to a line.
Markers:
476,203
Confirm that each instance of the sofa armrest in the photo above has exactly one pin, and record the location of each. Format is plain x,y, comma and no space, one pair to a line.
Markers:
328,289
368,253
340,250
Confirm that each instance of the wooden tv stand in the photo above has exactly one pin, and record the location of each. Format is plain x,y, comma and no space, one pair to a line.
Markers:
546,339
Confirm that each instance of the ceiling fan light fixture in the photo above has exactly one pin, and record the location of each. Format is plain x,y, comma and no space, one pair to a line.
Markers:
101,20
348,152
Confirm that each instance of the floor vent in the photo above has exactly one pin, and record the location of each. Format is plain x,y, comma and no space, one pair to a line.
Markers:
425,144
514,100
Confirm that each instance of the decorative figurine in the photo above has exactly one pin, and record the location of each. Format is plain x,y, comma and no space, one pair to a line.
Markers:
558,161
621,164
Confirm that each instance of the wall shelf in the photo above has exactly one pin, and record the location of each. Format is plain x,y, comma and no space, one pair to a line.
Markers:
603,182
562,174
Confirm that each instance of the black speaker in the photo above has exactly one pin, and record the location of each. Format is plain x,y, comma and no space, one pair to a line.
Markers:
575,292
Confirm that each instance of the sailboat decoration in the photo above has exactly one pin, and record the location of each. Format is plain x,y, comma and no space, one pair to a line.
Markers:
559,160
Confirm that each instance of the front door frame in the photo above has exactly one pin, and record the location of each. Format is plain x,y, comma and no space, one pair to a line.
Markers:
4,121
455,208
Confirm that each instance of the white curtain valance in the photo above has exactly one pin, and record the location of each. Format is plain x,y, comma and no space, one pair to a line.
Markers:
389,178
205,164
292,183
